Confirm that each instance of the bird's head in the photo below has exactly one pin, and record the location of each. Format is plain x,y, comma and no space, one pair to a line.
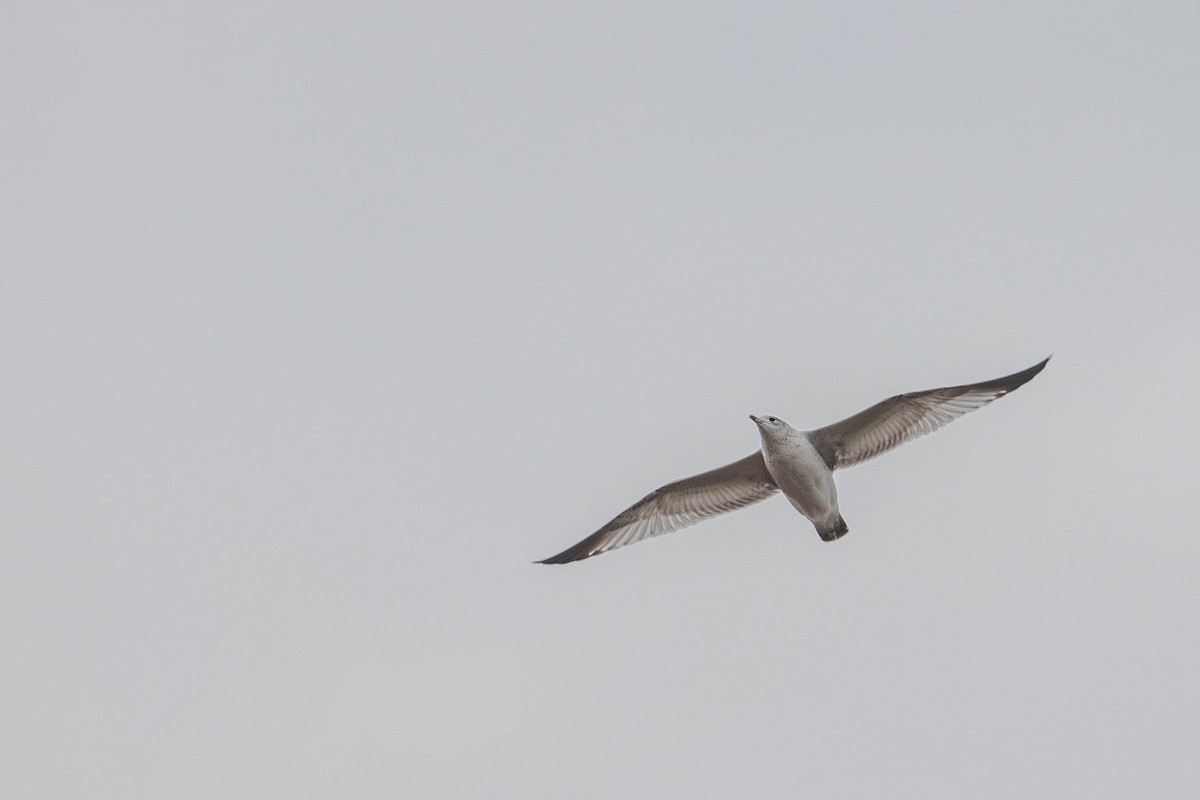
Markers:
771,427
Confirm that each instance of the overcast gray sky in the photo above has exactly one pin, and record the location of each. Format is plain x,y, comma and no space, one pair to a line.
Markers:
320,322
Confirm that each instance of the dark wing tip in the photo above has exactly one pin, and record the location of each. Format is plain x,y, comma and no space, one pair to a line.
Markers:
1026,375
576,552
1015,381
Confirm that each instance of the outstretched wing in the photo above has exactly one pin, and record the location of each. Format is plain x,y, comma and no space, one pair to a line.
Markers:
904,417
678,505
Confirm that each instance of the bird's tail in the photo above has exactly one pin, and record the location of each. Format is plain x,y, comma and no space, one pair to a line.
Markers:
835,531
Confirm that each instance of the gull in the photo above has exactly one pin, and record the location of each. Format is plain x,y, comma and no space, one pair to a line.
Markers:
798,463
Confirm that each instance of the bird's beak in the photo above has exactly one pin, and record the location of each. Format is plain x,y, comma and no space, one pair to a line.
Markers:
757,421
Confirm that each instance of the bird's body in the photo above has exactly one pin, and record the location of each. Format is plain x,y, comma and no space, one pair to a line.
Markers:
798,463
801,474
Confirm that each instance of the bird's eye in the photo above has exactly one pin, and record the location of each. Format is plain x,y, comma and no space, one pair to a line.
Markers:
772,419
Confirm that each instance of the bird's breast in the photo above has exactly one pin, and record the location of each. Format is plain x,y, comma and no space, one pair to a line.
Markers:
802,475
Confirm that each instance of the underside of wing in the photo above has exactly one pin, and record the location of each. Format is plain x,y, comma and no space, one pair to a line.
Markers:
905,417
678,505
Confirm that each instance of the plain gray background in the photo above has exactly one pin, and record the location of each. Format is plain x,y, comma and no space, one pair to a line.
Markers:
319,322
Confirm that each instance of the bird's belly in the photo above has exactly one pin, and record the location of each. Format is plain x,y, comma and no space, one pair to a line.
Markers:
806,482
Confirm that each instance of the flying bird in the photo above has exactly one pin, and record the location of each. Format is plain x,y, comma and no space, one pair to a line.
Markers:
798,463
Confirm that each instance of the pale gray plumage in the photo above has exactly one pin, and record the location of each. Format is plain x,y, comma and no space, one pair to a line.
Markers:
800,463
